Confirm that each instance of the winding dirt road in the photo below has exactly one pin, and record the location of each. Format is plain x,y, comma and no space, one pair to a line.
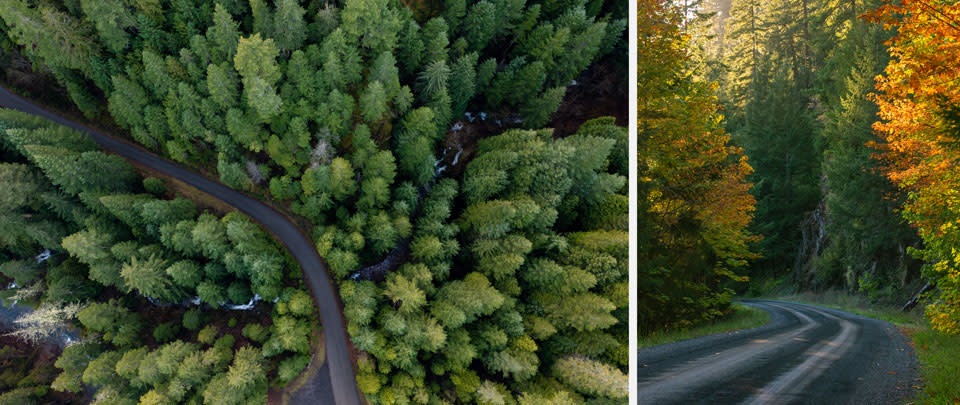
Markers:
805,355
342,382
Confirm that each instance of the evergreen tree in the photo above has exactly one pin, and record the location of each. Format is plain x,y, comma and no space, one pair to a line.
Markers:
371,23
149,278
591,377
88,171
223,35
111,19
289,26
73,361
481,24
373,102
222,84
539,110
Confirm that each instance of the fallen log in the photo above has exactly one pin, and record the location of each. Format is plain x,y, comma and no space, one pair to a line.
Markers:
916,297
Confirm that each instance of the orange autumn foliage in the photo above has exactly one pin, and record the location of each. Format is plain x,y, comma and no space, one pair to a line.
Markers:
918,148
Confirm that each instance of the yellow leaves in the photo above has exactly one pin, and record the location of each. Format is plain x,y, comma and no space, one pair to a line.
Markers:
695,193
922,75
944,317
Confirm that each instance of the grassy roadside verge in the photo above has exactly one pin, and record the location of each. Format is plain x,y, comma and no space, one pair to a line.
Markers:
742,317
938,354
858,305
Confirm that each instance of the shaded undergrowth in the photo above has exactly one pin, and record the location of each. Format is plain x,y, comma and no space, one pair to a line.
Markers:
740,317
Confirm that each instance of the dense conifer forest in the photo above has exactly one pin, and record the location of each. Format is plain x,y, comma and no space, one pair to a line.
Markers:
491,269
846,112
156,287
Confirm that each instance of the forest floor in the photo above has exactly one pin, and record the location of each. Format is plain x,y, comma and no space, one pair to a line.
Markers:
600,91
27,364
742,317
937,353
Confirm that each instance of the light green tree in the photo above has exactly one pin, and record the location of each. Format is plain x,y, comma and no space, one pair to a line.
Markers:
222,84
371,23
149,278
373,102
591,377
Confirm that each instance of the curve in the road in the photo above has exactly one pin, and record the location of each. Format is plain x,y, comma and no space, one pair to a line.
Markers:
342,380
804,355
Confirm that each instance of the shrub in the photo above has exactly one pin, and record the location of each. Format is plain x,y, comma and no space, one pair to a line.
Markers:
165,332
193,319
290,368
256,332
154,186
225,342
207,335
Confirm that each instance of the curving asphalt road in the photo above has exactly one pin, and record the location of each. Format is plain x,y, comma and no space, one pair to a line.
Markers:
805,355
342,380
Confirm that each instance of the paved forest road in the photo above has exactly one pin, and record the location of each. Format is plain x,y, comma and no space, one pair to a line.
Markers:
805,355
341,381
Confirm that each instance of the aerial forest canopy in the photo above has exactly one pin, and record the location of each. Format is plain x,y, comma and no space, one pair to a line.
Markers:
506,282
694,206
848,113
152,282
536,300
